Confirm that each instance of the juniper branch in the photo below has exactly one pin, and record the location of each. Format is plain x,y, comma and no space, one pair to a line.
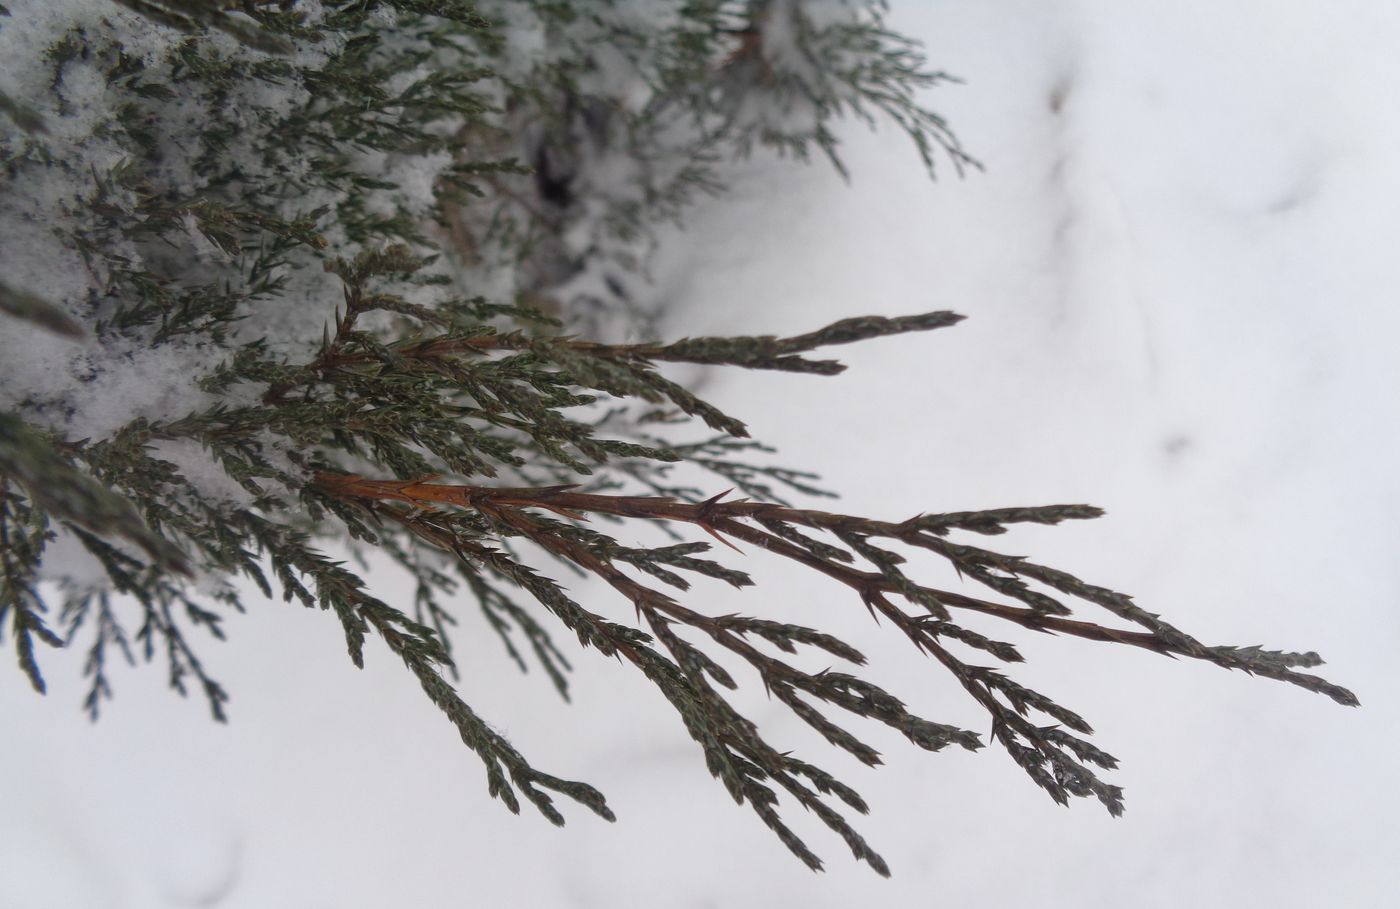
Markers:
438,160
1054,759
756,352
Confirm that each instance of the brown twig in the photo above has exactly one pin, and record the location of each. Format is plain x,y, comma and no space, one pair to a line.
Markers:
720,518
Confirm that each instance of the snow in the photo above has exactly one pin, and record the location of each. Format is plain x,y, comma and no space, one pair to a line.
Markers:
86,389
91,388
1178,272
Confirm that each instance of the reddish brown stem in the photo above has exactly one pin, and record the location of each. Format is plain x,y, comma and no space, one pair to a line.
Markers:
719,518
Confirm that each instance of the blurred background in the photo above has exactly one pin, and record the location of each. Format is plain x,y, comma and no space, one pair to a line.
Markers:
1178,268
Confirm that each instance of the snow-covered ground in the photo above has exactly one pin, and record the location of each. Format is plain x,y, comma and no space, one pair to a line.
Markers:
1178,269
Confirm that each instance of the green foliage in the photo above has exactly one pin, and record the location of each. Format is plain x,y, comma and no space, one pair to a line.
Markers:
295,216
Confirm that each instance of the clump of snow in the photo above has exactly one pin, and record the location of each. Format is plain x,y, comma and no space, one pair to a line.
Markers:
86,389
200,471
90,389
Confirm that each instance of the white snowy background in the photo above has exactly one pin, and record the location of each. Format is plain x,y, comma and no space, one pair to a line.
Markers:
1179,272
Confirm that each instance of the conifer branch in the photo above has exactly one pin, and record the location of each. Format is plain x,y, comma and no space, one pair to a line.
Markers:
757,352
1060,762
214,181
